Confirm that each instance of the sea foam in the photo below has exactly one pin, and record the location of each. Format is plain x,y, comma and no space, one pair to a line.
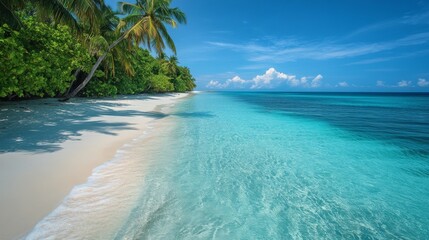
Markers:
97,208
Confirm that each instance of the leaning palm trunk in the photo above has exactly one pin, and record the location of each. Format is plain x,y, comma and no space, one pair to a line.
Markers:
76,74
93,69
145,20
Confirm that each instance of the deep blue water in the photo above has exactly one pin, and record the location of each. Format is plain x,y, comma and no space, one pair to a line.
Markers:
289,166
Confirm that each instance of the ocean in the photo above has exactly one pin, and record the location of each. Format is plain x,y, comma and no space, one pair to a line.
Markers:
248,165
290,166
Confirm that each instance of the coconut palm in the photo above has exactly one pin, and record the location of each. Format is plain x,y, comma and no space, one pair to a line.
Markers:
144,23
170,66
68,12
98,43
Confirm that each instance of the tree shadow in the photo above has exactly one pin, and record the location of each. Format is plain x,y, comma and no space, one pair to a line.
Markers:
42,125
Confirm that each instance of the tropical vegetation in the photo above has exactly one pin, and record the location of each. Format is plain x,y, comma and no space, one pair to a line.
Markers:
63,48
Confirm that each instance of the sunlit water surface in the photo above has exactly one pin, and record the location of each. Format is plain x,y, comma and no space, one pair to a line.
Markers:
290,166
271,166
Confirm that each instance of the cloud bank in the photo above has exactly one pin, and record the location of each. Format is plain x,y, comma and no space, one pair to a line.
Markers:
423,82
404,83
270,79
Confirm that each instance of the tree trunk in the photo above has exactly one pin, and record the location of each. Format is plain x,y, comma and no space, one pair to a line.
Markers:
76,74
93,69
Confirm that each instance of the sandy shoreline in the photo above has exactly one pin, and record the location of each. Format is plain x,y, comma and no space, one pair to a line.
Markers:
33,183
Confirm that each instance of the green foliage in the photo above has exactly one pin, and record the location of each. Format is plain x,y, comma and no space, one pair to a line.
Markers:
12,59
65,12
148,77
160,83
185,79
40,57
100,89
145,23
39,60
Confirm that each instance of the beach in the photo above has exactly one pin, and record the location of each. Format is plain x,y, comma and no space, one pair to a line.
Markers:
45,158
153,119
216,165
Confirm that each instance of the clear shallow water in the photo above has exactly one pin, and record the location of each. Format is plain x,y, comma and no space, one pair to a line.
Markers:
289,166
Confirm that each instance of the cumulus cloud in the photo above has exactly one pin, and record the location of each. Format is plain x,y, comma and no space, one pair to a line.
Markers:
343,84
404,83
215,84
270,79
236,79
316,81
266,79
423,82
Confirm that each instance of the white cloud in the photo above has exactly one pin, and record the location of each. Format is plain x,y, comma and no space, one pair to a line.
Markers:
215,84
422,18
404,83
316,81
265,79
236,79
423,82
380,84
270,79
275,51
343,84
293,81
385,59
241,47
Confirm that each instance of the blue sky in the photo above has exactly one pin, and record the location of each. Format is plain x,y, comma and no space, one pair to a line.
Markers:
302,45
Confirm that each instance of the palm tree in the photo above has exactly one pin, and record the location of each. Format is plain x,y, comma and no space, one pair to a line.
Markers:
144,23
170,66
68,12
7,12
97,44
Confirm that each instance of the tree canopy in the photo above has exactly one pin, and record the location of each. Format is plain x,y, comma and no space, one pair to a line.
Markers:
49,51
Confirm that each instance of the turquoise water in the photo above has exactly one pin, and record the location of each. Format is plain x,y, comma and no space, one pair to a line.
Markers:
289,166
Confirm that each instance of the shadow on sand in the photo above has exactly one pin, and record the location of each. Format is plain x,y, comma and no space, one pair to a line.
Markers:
41,125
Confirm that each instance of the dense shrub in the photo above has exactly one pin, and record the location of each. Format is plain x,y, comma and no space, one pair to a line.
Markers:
147,78
98,88
39,60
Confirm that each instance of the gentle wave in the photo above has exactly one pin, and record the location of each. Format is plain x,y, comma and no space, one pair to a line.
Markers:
97,208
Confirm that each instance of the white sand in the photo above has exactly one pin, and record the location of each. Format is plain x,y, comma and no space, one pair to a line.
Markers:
33,184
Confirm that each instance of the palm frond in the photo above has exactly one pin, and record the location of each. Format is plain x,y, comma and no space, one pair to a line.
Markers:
145,21
58,11
128,8
8,14
164,34
178,15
